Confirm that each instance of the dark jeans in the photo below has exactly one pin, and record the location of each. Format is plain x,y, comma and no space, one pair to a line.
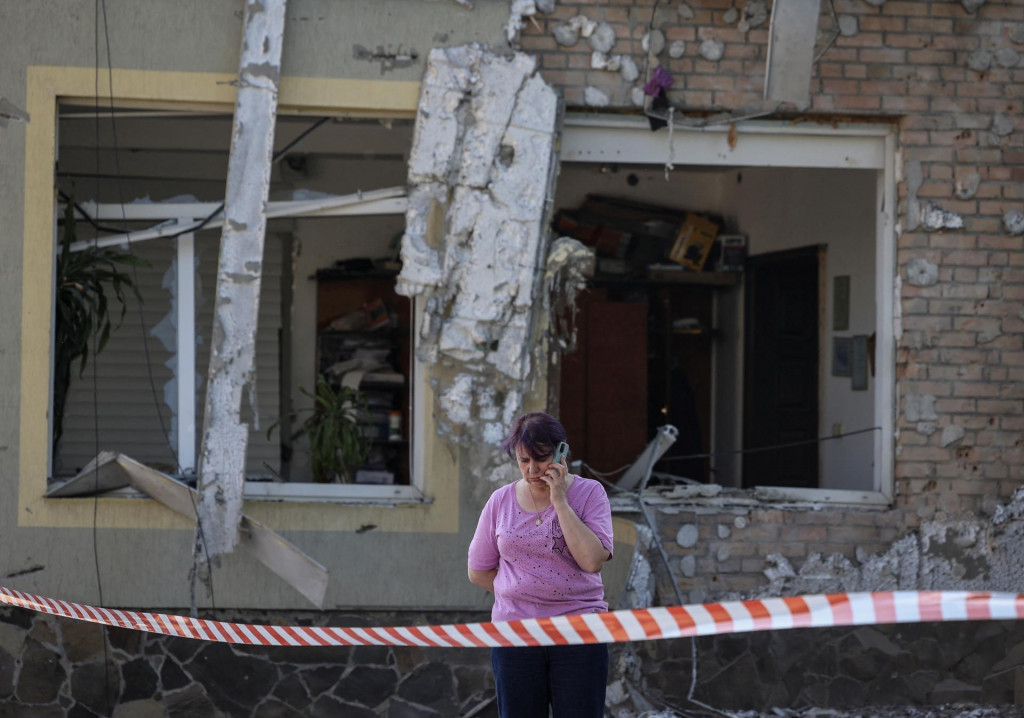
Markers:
571,679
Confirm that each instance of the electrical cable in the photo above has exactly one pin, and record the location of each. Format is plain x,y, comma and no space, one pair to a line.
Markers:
95,372
135,279
277,156
602,476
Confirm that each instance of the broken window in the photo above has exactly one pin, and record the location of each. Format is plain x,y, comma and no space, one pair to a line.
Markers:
327,305
739,300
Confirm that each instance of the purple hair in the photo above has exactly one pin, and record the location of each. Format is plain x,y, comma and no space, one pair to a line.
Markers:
535,433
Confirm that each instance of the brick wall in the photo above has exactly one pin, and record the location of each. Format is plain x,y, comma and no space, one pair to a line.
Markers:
952,81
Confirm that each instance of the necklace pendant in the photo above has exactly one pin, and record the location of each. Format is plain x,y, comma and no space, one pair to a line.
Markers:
538,521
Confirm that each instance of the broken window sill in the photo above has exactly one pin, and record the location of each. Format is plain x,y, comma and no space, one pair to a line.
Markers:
381,494
354,494
715,496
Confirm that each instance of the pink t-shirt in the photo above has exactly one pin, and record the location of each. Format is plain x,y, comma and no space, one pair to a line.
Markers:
537,576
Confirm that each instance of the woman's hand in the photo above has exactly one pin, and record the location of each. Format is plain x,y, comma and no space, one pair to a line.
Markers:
584,545
556,476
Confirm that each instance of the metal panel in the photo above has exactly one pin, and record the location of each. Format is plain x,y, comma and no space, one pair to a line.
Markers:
794,28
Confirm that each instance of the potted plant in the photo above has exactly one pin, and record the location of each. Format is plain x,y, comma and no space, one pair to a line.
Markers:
336,429
82,310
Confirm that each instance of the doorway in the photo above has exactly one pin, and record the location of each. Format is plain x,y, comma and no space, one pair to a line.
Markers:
780,387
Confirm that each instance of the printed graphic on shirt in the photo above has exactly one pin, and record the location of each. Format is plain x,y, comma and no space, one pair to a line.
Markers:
559,545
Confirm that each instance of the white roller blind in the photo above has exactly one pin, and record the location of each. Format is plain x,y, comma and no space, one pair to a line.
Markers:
123,400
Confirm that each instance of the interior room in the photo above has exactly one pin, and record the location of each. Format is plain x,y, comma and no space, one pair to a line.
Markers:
317,269
739,355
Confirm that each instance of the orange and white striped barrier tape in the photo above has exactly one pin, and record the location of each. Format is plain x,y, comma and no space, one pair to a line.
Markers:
642,624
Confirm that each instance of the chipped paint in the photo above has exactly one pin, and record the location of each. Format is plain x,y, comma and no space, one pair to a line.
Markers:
232,352
389,59
474,250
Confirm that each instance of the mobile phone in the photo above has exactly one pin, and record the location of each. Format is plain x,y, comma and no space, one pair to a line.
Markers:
561,452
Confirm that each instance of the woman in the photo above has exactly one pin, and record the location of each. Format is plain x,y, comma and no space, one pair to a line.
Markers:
539,547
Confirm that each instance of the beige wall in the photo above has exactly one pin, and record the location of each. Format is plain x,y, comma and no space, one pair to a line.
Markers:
166,53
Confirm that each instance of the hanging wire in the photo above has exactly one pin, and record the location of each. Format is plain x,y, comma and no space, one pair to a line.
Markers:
201,223
95,368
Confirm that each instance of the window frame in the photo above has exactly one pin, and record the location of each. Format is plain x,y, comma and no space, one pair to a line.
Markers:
435,501
179,216
593,138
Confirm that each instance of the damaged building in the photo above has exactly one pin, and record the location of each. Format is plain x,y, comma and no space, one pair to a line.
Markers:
764,259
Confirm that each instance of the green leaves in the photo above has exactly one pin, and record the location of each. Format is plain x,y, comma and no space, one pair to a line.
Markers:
82,312
336,431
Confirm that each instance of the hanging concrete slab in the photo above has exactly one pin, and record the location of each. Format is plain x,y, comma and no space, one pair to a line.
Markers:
481,170
232,350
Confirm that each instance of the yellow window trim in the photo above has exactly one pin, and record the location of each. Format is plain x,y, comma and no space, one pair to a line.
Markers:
44,87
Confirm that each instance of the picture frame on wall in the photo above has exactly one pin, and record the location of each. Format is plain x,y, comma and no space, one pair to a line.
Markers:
842,348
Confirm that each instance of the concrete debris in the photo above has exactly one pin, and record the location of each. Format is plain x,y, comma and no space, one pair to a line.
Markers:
600,61
566,35
755,14
921,272
1017,34
980,60
934,218
569,264
636,96
687,536
593,97
712,49
480,169
676,49
724,531
1013,222
653,42
875,3
972,5
966,187
927,427
545,6
603,38
465,3
730,16
583,25
1007,57
849,25
952,434
630,72
919,407
685,11
638,591
518,10
1002,125
740,522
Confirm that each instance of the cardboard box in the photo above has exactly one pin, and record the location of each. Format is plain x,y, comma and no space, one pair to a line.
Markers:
693,243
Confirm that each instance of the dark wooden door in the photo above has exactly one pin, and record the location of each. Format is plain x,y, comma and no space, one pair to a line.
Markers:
780,389
603,390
